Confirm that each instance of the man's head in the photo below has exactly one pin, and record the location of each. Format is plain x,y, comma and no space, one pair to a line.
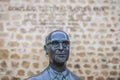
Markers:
57,46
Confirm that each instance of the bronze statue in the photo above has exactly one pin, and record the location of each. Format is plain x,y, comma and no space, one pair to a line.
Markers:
57,47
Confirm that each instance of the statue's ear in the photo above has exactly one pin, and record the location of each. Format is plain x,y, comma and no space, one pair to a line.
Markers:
46,49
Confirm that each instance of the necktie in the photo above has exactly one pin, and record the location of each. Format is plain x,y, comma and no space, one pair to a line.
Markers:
54,75
60,76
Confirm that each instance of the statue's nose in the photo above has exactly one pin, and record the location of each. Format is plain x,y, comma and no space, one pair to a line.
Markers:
60,46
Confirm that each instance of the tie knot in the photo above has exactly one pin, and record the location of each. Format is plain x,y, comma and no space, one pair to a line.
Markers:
60,76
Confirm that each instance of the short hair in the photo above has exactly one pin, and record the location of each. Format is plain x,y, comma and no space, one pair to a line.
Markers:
49,36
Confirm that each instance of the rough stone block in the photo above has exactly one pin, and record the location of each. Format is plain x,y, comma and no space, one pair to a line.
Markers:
87,72
25,56
5,78
4,35
15,56
21,72
87,65
100,78
4,64
4,53
13,44
35,65
2,42
4,16
81,54
19,37
15,78
77,66
113,73
29,37
25,64
105,73
1,27
90,78
15,64
30,73
114,60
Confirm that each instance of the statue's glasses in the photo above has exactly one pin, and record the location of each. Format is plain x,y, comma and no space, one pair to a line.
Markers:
57,43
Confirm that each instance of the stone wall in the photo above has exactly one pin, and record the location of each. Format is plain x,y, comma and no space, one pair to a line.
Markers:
93,27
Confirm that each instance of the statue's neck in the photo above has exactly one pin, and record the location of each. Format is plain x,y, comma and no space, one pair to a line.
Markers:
57,66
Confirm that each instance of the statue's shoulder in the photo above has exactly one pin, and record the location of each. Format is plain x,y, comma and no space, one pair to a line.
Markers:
41,76
73,76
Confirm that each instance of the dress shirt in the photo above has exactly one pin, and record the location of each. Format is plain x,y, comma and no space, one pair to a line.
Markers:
54,75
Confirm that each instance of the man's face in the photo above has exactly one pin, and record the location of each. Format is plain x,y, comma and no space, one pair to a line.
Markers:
58,50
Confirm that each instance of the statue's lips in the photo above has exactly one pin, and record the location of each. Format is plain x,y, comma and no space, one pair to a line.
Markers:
61,55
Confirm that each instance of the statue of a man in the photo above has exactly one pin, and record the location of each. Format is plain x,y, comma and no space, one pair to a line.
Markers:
57,47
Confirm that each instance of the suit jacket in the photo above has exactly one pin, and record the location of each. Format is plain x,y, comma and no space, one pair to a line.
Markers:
45,76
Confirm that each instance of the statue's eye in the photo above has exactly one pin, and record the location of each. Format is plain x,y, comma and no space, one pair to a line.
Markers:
55,43
65,43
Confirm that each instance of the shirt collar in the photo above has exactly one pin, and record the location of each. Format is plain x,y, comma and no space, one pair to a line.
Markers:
53,74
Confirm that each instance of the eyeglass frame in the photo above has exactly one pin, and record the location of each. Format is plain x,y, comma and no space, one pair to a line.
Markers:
58,43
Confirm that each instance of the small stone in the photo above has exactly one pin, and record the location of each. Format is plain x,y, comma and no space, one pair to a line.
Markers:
110,42
80,71
77,66
4,64
13,44
45,63
82,77
87,66
25,44
4,16
113,73
80,48
36,44
30,73
4,35
15,78
1,27
35,65
29,37
87,72
118,78
77,60
11,29
25,56
5,78
22,30
25,64
81,54
2,42
15,56
4,53
16,17
115,60
85,60
110,54
90,78
100,49
38,37
110,78
95,67
105,73
15,64
21,72
69,65
100,78
9,72
19,37
93,60
104,66
5,0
